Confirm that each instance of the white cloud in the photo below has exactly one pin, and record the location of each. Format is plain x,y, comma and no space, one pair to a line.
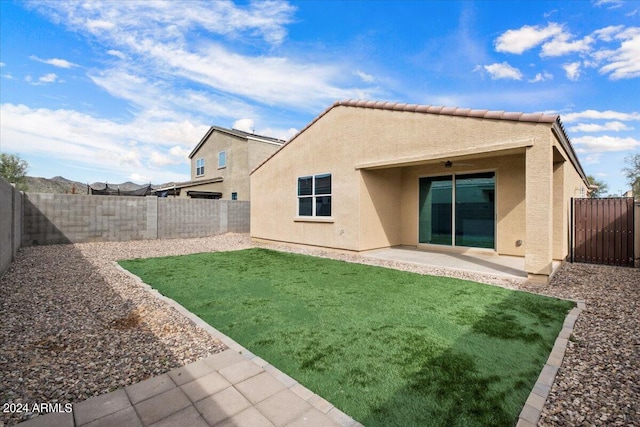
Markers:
2,64
159,38
136,177
594,127
541,77
116,53
47,78
160,20
561,45
503,71
246,125
180,152
600,115
87,141
526,37
159,100
589,159
607,33
175,156
56,62
367,78
573,70
605,143
96,25
624,63
609,4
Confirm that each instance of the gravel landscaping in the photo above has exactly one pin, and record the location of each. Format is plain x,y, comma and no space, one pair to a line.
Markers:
74,326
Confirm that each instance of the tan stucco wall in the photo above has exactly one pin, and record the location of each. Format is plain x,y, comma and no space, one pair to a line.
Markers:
376,158
241,157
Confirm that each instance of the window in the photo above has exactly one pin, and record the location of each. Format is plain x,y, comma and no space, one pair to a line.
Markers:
222,159
199,167
314,195
234,196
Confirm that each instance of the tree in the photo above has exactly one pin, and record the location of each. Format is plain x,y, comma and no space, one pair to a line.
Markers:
602,187
632,172
14,170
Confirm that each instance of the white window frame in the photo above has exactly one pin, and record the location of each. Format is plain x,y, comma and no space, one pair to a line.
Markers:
313,196
222,155
200,169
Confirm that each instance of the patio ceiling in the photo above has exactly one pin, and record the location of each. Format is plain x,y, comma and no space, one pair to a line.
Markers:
499,149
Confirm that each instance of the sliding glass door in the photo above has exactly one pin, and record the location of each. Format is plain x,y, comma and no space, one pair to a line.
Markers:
458,210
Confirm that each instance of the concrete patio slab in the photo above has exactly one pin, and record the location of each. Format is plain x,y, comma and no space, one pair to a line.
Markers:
471,260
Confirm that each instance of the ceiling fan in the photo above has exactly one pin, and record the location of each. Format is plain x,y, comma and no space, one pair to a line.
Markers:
449,164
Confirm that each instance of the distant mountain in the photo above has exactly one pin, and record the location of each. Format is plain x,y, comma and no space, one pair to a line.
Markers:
61,185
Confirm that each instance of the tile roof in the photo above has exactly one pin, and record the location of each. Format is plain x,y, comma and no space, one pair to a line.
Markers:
448,111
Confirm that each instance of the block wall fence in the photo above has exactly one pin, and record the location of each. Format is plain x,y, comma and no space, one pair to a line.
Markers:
28,219
10,223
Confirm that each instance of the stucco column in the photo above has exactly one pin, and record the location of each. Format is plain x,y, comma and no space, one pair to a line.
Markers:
539,216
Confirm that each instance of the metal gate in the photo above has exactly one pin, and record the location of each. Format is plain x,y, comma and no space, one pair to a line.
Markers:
603,231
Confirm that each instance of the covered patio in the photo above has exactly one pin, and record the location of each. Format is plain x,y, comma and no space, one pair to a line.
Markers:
472,261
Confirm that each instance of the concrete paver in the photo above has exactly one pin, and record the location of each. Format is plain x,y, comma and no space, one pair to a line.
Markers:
149,388
190,372
125,418
283,407
240,371
313,418
222,405
187,417
260,387
100,406
222,360
57,419
250,417
162,405
205,386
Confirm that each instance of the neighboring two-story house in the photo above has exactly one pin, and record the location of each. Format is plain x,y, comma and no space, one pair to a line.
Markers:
221,163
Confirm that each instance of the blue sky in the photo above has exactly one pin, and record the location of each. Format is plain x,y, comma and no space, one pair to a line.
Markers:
123,90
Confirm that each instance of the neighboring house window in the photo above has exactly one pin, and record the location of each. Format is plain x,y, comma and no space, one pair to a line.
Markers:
314,195
199,167
234,196
222,159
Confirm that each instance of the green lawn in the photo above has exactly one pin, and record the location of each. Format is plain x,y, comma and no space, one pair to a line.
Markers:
385,346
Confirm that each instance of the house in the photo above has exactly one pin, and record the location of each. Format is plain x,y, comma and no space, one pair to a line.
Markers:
221,163
365,175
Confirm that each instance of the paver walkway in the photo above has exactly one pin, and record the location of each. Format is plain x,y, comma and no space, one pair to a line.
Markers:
232,388
225,389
